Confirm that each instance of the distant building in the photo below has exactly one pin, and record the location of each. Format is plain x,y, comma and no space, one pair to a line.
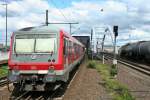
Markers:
83,38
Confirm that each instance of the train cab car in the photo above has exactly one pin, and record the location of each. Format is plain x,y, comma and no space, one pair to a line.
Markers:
42,56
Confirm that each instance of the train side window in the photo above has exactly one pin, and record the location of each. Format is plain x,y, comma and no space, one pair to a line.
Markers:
66,46
72,48
76,48
64,49
69,48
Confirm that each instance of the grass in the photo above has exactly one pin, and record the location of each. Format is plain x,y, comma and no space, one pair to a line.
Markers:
3,71
91,64
118,91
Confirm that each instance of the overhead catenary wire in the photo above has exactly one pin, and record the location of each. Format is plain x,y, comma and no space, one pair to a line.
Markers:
74,32
70,23
58,9
70,11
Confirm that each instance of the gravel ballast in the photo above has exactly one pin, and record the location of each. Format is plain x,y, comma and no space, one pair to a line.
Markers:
86,86
137,83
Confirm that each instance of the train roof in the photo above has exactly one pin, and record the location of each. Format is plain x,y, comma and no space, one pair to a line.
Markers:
50,29
45,29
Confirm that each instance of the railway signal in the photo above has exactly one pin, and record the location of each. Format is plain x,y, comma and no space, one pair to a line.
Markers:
114,66
115,29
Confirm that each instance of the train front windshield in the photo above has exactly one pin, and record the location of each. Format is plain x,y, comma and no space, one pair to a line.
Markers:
35,43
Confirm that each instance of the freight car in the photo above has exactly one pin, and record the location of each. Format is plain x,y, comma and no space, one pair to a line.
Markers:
41,57
136,51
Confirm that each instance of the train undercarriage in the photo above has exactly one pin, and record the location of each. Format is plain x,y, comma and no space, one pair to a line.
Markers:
35,82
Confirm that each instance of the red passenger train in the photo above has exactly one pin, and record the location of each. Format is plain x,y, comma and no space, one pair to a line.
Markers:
42,56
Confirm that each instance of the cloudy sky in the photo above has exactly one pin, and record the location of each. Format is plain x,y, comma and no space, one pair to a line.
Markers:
132,16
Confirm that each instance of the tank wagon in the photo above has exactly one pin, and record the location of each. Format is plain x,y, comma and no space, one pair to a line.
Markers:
137,51
41,57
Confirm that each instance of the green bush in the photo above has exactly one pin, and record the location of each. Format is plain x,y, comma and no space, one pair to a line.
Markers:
113,70
91,64
3,71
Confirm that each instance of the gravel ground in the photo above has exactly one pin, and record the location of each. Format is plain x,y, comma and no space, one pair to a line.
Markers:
137,83
4,93
86,86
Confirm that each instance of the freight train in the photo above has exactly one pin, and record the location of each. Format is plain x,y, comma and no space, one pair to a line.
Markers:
41,57
136,51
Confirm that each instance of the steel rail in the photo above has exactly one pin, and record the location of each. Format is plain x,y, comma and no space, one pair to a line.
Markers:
3,78
143,69
3,81
21,96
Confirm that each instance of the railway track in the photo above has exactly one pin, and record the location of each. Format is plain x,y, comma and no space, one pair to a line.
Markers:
36,95
3,81
141,68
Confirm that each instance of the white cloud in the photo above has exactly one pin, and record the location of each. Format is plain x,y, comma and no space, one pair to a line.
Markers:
125,13
17,7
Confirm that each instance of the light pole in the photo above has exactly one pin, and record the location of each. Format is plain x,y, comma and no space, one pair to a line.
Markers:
46,18
103,48
6,24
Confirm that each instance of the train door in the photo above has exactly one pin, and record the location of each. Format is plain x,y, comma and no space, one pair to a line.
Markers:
65,52
69,52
